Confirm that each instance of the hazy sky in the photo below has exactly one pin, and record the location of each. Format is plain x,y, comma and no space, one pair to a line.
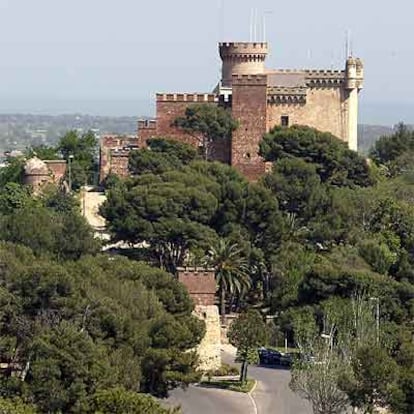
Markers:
110,57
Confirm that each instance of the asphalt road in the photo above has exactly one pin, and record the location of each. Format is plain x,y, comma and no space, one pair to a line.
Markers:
271,395
199,400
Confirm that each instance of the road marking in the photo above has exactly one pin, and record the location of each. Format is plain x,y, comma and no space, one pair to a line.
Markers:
251,397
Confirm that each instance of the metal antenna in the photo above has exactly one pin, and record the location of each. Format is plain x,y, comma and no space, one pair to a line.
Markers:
221,19
265,25
255,26
251,24
348,48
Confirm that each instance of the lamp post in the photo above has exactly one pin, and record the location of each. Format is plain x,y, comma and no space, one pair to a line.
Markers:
377,317
70,158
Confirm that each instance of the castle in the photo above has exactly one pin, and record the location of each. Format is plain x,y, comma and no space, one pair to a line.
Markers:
259,99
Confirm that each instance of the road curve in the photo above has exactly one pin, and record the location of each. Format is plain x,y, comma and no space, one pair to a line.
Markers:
272,393
200,400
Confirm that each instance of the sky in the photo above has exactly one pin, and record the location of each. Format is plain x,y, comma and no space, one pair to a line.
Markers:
110,57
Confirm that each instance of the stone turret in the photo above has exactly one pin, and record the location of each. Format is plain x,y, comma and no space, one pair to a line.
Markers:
354,79
354,72
242,58
36,173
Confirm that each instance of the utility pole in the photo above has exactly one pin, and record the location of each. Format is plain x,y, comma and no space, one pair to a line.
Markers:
377,317
70,158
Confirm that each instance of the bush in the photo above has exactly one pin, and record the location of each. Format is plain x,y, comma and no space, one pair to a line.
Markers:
224,371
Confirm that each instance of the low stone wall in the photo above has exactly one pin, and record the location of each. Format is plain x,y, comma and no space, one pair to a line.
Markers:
209,348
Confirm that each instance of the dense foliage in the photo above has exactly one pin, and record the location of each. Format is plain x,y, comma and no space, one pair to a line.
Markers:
72,329
323,224
247,333
207,124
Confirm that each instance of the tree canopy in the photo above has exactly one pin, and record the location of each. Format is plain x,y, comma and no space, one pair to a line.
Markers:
208,124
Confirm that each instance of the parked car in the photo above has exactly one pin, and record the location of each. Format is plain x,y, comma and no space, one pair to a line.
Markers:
269,356
287,359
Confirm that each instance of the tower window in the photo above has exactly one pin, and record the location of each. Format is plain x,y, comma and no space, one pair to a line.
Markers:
284,121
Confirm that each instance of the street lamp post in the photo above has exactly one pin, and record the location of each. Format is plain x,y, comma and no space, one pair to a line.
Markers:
70,172
377,317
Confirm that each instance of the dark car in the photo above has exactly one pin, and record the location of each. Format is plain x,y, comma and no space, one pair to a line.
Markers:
287,359
269,356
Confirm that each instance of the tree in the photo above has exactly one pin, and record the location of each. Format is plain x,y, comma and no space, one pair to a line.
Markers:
318,381
16,406
170,212
43,152
120,401
71,329
80,151
161,155
207,124
297,186
389,148
336,164
64,234
13,172
13,197
374,378
231,270
247,333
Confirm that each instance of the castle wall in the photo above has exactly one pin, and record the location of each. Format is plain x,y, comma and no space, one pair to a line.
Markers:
57,169
249,109
114,155
172,106
146,129
325,109
201,286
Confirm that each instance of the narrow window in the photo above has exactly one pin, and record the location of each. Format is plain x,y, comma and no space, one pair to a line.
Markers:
284,121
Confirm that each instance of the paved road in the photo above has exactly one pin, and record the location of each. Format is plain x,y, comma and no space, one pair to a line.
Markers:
199,400
271,396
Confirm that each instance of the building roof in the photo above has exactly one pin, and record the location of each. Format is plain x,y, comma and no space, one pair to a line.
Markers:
287,79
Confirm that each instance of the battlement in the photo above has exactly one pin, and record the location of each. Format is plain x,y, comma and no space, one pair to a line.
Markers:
147,124
200,283
187,97
325,78
246,80
116,141
294,95
243,48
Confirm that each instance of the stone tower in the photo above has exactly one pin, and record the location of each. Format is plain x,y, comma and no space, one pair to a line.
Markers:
354,78
242,58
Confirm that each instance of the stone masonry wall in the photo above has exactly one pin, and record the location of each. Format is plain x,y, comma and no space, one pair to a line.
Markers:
325,109
113,157
209,350
57,169
249,109
172,106
201,286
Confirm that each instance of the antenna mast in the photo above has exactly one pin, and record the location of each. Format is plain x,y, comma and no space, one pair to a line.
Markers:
348,44
251,24
255,26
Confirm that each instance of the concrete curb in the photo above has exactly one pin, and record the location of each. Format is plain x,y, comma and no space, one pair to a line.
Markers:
251,397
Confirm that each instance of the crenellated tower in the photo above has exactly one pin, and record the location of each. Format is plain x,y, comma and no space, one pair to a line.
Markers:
242,58
354,79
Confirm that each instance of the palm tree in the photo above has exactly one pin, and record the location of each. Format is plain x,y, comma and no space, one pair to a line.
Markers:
231,269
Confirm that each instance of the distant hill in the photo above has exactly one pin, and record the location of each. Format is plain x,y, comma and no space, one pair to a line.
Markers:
18,131
368,134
